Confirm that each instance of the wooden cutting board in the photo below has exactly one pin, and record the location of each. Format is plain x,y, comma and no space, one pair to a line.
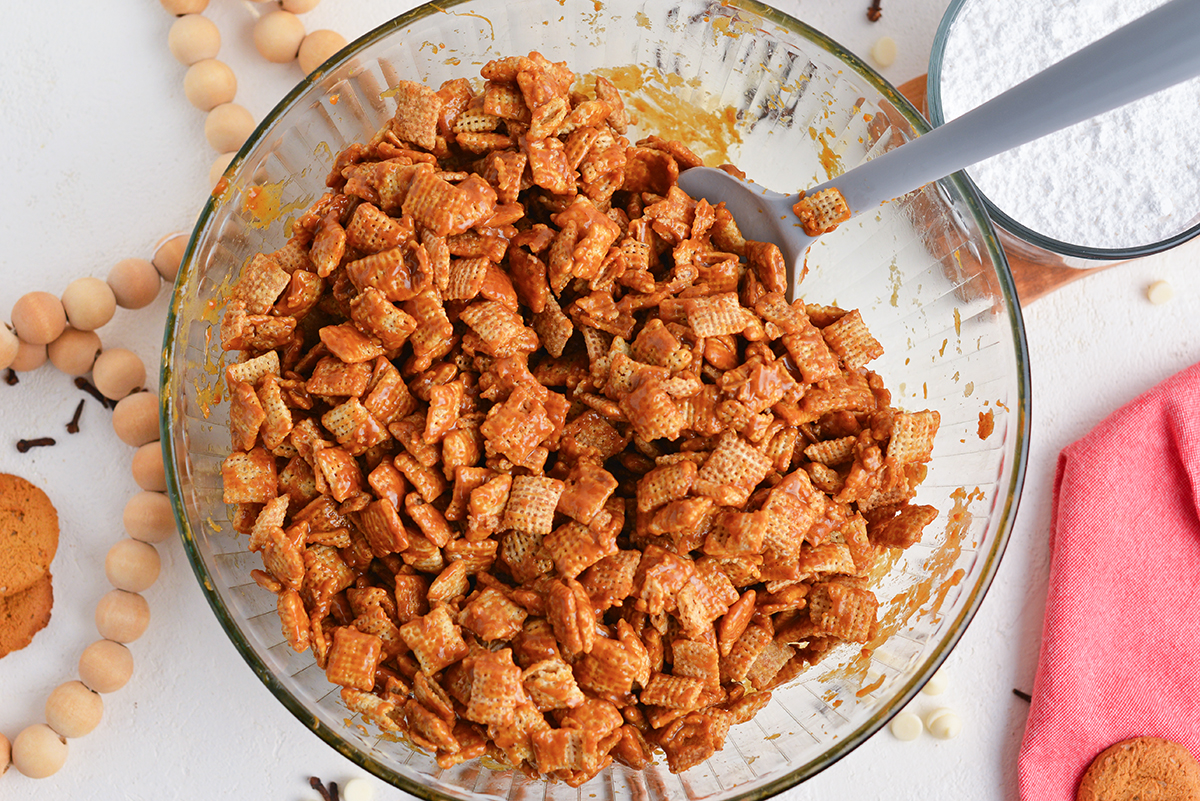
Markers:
1034,273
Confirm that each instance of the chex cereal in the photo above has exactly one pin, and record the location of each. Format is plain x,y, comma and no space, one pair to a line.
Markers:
539,460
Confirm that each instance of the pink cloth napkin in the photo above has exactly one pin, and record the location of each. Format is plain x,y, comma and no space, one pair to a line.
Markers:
1120,654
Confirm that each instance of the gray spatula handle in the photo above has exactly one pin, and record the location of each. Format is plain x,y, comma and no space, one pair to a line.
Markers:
1151,53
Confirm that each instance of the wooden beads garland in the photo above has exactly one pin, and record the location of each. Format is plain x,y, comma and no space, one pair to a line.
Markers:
210,85
132,564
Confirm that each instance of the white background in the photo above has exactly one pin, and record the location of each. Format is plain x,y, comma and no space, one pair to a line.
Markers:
101,155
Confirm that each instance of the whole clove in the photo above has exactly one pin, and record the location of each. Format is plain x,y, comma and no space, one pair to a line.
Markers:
10,377
86,386
23,445
327,794
73,426
1024,696
875,11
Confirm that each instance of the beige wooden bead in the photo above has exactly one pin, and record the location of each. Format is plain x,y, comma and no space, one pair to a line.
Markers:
148,517
180,7
168,255
148,469
134,283
38,318
209,83
74,352
122,616
117,372
132,566
135,419
9,345
5,754
299,6
89,303
217,170
227,127
38,752
29,357
105,666
317,47
73,710
193,38
277,36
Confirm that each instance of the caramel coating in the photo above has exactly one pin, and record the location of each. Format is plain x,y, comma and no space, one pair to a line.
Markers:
277,36
135,419
168,254
89,303
74,352
134,283
105,666
117,372
73,710
148,469
209,83
9,345
227,126
38,318
122,616
317,47
148,517
132,566
193,38
29,357
38,751
220,163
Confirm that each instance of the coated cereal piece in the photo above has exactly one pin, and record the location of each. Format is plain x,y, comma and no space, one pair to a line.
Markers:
522,553
303,292
371,230
417,113
476,120
585,491
849,338
832,451
340,471
745,652
245,416
260,284
294,619
551,685
428,482
515,428
607,671
445,402
466,478
297,482
548,165
486,506
665,484
427,517
842,611
272,516
435,640
380,523
912,437
282,559
531,504
502,330
732,471
373,708
380,318
591,435
251,370
652,411
328,246
411,597
503,99
432,729
672,692
354,427
352,659
277,421
477,555
764,670
496,688
822,212
349,344
491,616
553,327
433,336
293,256
453,582
573,549
387,396
466,278
899,526
410,433
697,660
570,613
717,314
249,477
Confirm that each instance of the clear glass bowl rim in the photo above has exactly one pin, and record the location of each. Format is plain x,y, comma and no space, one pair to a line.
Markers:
937,116
1008,507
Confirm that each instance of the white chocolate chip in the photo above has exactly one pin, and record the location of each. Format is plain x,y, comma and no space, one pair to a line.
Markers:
1160,292
906,726
357,790
884,51
937,683
943,723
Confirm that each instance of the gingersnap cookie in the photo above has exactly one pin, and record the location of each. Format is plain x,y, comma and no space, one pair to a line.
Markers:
24,614
28,534
1142,769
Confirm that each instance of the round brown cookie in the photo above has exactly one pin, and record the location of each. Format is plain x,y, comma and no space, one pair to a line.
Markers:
24,614
28,534
1142,769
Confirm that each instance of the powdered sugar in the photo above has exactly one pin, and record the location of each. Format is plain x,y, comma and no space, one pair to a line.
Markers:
1126,178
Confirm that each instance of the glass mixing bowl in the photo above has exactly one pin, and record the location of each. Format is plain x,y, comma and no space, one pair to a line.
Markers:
741,82
1019,239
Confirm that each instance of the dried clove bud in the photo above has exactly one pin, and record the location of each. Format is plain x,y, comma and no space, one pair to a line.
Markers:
73,426
23,445
875,11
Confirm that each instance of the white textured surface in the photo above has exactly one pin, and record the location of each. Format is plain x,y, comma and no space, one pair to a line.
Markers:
102,155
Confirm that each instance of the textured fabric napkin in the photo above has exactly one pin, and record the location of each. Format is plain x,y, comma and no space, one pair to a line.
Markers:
1120,654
